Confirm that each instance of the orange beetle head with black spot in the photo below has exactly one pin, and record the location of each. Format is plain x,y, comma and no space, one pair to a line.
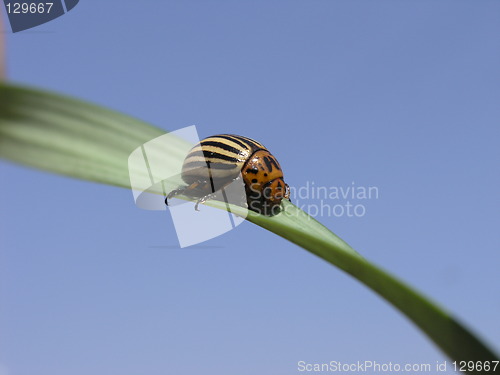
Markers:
264,183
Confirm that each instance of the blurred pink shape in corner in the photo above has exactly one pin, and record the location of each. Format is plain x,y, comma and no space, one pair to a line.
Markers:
2,49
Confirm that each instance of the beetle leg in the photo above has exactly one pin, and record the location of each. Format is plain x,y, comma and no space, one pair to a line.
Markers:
203,200
287,193
175,192
182,190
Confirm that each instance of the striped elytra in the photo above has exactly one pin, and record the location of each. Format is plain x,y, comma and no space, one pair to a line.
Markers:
218,160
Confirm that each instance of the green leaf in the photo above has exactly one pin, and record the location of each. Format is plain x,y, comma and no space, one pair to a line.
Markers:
81,140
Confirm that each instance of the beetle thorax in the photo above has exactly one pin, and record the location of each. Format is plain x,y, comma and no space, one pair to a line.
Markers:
261,168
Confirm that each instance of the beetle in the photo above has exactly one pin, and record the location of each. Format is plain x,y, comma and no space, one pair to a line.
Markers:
218,160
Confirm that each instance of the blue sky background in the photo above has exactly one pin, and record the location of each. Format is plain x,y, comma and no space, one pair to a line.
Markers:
399,95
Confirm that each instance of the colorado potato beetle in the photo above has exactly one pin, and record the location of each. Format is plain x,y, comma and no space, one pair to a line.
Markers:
218,160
